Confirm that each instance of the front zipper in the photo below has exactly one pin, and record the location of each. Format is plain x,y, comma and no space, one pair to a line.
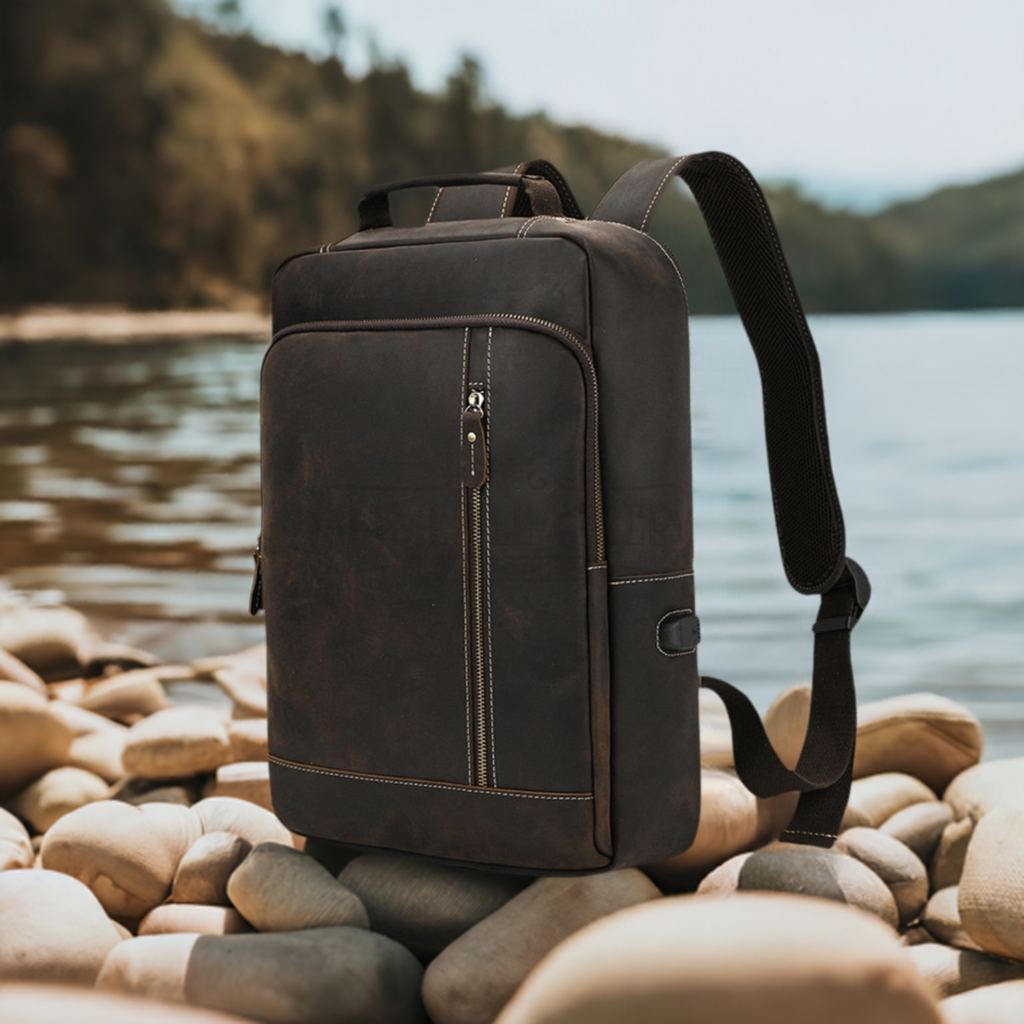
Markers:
474,479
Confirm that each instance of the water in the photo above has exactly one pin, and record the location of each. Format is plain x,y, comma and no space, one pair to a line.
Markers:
131,483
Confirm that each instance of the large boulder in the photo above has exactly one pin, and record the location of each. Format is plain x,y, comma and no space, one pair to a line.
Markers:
47,639
976,791
58,792
32,740
183,740
767,958
919,827
193,919
52,929
950,853
991,892
951,971
319,976
894,863
805,871
279,889
732,820
203,873
941,917
127,696
994,1004
425,906
473,978
875,799
242,818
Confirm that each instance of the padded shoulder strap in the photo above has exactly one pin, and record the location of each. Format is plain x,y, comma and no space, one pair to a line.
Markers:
808,517
487,201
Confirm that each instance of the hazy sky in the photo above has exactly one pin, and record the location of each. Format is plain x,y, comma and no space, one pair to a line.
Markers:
858,99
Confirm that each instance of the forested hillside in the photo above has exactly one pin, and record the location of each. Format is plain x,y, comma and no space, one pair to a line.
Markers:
149,160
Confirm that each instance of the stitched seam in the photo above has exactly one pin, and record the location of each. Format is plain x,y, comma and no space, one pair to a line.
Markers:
594,568
673,170
652,579
668,256
465,595
657,634
433,206
472,790
521,233
801,832
508,191
487,516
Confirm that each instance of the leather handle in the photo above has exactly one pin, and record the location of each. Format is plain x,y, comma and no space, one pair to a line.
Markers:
375,208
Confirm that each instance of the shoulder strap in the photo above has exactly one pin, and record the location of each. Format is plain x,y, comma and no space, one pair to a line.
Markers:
808,517
487,201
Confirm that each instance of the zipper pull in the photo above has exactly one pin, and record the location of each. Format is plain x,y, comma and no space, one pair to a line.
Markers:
256,594
474,449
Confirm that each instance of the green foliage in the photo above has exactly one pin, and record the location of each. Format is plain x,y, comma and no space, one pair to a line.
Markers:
151,160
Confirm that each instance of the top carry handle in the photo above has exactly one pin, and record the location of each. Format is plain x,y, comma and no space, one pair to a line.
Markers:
807,513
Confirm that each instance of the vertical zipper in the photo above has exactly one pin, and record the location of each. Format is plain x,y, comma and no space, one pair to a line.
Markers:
474,478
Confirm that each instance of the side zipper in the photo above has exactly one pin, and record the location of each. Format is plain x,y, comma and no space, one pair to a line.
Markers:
473,461
256,594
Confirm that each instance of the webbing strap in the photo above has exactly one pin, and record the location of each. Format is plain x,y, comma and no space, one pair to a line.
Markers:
808,517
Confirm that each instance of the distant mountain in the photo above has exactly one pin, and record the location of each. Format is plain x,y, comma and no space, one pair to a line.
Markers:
146,159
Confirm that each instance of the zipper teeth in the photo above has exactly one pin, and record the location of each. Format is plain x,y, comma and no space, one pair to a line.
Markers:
564,332
478,638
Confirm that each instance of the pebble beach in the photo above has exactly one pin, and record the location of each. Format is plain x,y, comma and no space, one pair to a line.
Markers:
145,876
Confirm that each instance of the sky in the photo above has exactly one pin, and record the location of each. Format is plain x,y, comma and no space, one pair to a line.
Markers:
860,101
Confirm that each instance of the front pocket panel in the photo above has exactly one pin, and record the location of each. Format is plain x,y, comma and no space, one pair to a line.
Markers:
414,614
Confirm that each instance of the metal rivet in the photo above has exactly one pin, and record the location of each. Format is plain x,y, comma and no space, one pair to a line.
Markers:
471,437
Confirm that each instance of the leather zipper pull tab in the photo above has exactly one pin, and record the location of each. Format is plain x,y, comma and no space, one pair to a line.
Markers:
256,594
474,448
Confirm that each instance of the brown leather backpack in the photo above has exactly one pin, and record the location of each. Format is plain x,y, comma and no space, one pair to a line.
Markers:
477,532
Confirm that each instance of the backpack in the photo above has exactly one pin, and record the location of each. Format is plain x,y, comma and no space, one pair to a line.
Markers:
476,552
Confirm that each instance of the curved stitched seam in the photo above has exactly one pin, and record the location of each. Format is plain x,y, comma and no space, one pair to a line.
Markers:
673,170
657,634
472,790
802,832
433,205
465,596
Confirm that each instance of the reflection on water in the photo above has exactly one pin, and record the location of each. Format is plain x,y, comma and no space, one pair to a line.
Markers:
130,481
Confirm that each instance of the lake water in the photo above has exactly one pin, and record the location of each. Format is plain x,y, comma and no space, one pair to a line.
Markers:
130,483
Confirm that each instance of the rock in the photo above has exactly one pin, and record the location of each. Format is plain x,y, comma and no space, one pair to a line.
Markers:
894,863
55,1004
278,889
991,892
425,906
246,687
921,734
785,722
106,654
248,739
32,741
225,814
875,799
47,638
54,929
127,696
55,794
766,958
203,873
193,918
184,792
919,826
254,659
178,741
99,753
948,860
976,791
79,720
472,979
732,820
715,731
244,780
917,936
993,1004
14,670
950,971
333,856
127,855
941,917
806,871
15,845
320,976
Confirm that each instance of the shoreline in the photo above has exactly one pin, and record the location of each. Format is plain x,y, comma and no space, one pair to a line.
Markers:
113,326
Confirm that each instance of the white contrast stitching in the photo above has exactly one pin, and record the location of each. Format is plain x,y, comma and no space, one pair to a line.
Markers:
474,790
801,832
465,596
673,170
591,568
657,634
668,255
521,233
651,579
433,206
487,511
